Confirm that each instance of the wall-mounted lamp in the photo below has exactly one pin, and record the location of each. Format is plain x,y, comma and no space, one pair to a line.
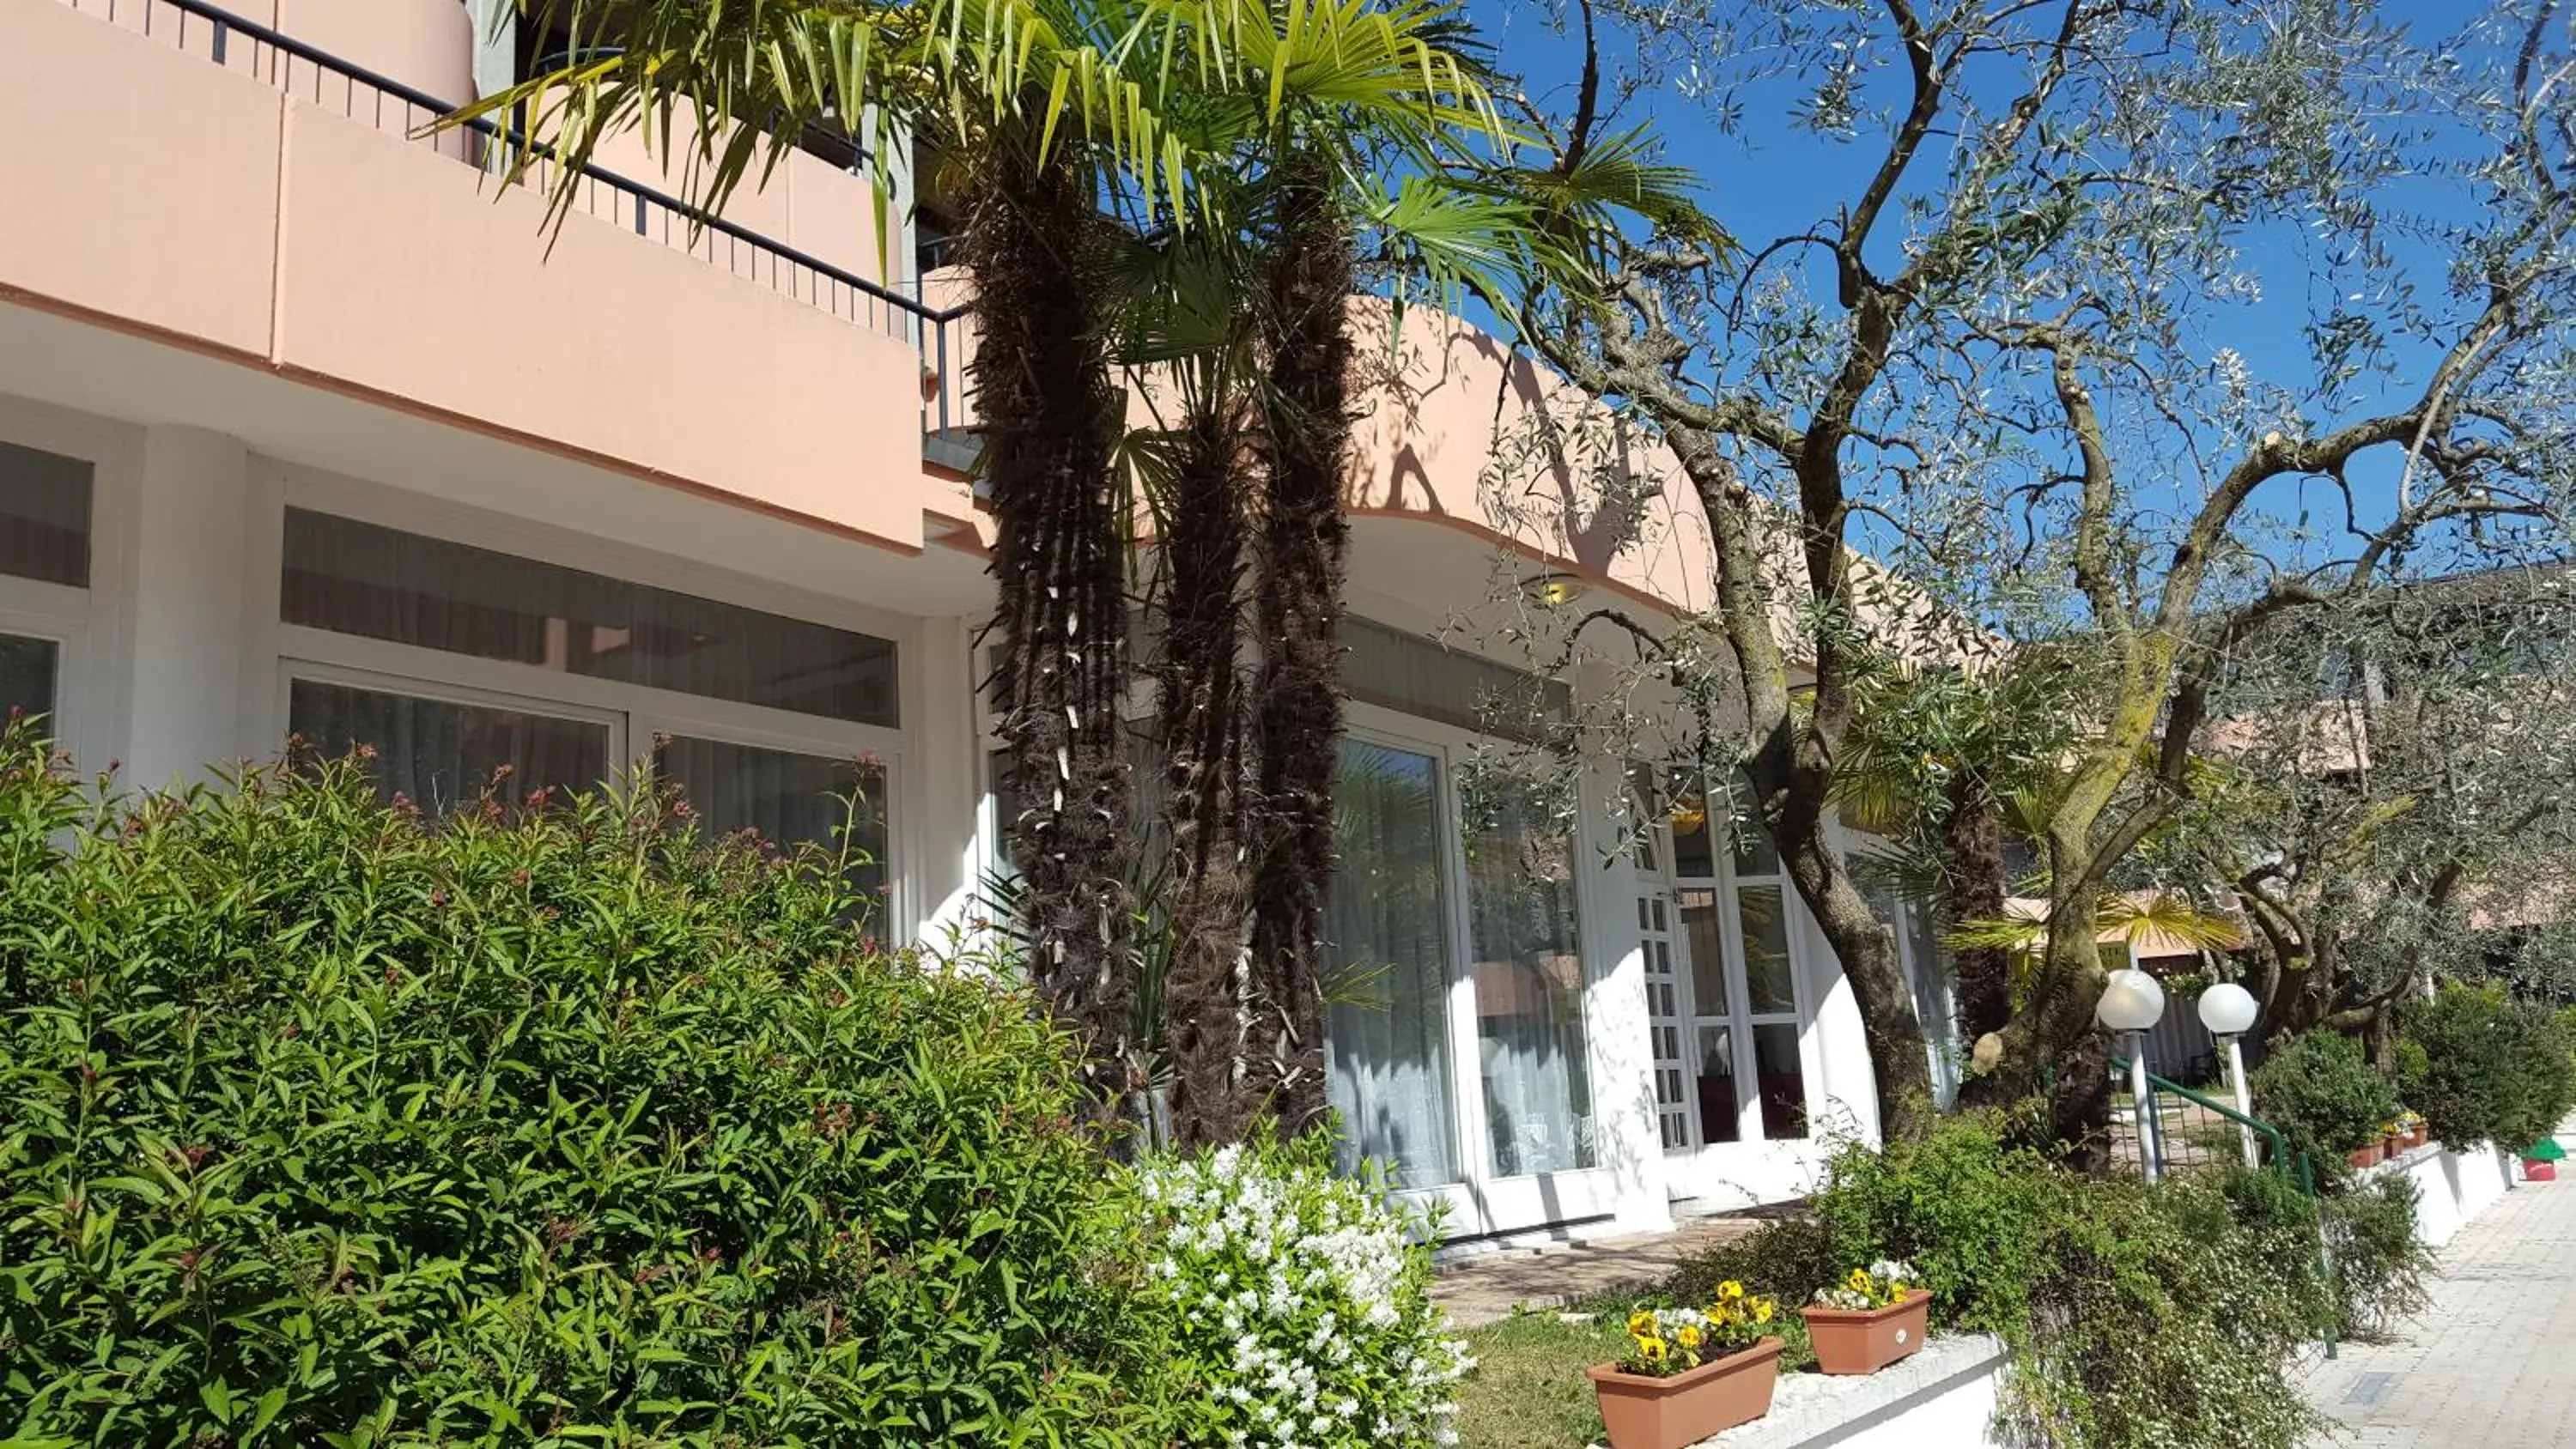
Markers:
1553,590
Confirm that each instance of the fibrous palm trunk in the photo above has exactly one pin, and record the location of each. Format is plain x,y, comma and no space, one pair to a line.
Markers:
1043,395
1200,709
1304,555
1972,837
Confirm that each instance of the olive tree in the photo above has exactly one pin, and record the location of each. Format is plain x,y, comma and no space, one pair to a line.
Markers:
2118,299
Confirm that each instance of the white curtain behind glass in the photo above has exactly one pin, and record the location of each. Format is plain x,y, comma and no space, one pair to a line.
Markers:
786,798
1387,1061
440,754
1529,976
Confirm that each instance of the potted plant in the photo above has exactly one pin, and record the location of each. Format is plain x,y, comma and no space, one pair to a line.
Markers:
1869,1320
2411,1131
2540,1160
2365,1156
1688,1374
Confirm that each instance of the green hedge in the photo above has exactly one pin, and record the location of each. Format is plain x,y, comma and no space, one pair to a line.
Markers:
2484,1068
322,1127
2324,1095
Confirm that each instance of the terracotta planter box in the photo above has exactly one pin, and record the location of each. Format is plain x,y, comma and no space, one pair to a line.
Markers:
2365,1157
1651,1413
1865,1340
2419,1136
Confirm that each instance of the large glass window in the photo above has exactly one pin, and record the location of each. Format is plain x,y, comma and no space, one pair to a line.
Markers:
1427,680
28,672
380,583
1386,1037
440,753
1528,974
785,798
44,516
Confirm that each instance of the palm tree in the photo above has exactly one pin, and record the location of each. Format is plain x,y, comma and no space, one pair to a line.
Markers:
1257,462
1049,107
1045,102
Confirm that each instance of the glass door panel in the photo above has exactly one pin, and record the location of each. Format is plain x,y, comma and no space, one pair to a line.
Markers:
1780,1081
29,669
1528,977
787,798
1771,985
1720,1110
1387,1059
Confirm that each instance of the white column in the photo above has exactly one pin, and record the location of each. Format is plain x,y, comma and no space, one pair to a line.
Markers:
943,755
1616,1017
189,664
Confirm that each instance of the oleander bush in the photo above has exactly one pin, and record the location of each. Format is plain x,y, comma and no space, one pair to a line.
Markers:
1296,1303
2482,1067
323,1125
2324,1095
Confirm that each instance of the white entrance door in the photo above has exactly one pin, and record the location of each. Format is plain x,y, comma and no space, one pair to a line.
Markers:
1726,1000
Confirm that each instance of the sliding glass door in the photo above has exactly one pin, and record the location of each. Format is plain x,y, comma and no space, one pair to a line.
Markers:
1456,1037
1386,1035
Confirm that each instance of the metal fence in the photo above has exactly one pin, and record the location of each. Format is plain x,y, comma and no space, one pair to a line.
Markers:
322,79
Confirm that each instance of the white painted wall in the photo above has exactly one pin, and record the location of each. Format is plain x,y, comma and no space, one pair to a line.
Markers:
2451,1188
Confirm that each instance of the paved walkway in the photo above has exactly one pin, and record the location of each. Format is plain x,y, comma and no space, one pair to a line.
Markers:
1485,1289
2487,1364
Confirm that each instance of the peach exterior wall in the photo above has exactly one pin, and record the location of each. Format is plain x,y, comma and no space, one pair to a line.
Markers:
1450,432
195,200
142,182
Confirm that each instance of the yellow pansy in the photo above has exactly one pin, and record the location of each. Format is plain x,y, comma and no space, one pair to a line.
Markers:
1762,1310
1729,1291
1650,1350
1859,1280
1687,1336
1642,1323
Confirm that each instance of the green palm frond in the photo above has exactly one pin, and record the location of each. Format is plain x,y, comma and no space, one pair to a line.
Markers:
2131,920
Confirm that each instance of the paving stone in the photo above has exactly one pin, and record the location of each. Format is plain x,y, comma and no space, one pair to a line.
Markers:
2486,1364
1486,1288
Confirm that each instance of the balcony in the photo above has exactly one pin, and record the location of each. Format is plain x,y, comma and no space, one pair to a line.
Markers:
258,187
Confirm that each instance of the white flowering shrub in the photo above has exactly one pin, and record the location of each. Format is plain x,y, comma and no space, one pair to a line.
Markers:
1300,1309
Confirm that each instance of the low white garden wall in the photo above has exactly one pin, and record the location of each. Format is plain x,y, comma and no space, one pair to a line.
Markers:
1941,1398
2450,1187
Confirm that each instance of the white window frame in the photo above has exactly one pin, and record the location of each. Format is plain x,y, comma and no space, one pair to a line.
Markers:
84,624
639,711
1481,1203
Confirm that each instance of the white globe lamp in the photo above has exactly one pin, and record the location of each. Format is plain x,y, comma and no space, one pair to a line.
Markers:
2132,1002
2228,1010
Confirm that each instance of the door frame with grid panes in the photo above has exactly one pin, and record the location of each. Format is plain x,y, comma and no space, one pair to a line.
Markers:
1688,1026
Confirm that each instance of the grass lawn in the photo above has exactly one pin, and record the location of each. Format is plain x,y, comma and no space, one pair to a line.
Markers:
1528,1390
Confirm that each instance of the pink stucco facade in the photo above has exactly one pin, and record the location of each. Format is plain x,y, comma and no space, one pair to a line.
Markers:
326,239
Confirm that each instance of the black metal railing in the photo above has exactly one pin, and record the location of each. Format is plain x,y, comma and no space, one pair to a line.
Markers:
326,80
